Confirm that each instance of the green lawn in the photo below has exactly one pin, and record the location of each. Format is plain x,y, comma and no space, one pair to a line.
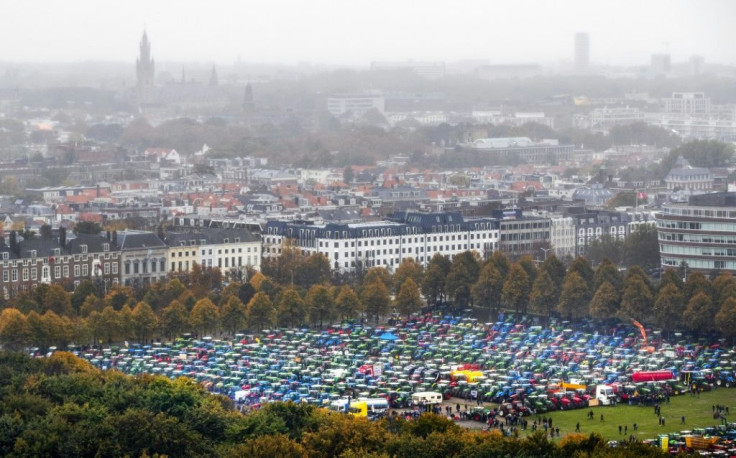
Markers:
697,411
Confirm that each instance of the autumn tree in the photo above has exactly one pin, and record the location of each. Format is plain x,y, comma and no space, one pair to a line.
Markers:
433,283
641,247
321,304
312,270
174,319
582,266
607,272
516,289
726,318
724,287
501,263
543,297
261,312
408,300
699,315
605,301
145,321
378,273
107,324
463,275
376,299
348,305
57,300
408,268
126,322
292,310
15,331
669,308
487,290
636,300
233,315
574,297
204,317
671,276
696,283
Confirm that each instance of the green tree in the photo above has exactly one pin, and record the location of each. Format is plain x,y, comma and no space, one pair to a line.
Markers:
574,297
348,175
605,301
80,294
87,227
292,310
726,318
314,269
543,297
636,301
246,292
622,199
641,247
409,300
515,293
321,304
174,319
408,268
433,283
700,314
348,303
702,153
233,315
204,317
145,321
669,308
376,299
261,312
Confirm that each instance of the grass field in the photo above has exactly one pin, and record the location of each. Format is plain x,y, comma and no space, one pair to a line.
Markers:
698,412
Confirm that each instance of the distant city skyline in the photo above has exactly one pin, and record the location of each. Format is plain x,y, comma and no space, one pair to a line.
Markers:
356,33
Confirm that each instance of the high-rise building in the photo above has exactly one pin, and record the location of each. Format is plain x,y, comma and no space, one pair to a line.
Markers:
144,66
582,51
660,64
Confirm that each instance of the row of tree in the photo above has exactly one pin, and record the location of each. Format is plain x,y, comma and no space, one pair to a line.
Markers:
302,291
62,406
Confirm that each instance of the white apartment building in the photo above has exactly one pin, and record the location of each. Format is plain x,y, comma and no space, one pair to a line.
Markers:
386,243
357,104
562,236
228,249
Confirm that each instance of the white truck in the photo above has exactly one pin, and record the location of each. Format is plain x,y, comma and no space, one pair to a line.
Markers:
605,395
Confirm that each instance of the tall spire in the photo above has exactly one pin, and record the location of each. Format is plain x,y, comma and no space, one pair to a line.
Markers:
145,67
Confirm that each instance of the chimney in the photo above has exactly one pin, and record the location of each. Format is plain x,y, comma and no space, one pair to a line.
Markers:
109,236
114,237
62,237
98,191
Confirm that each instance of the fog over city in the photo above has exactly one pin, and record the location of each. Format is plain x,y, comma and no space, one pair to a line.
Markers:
357,32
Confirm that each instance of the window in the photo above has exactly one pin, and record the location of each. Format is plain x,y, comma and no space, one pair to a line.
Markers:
105,247
162,264
57,272
106,269
127,268
15,275
114,268
136,267
85,270
84,248
66,271
6,275
76,270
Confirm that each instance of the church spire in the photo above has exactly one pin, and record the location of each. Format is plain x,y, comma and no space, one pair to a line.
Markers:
145,67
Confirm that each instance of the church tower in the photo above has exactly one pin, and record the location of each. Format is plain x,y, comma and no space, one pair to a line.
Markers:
144,66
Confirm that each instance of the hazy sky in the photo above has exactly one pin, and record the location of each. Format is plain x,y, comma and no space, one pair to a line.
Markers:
358,32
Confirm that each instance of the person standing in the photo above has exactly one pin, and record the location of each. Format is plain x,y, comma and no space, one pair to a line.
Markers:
577,427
